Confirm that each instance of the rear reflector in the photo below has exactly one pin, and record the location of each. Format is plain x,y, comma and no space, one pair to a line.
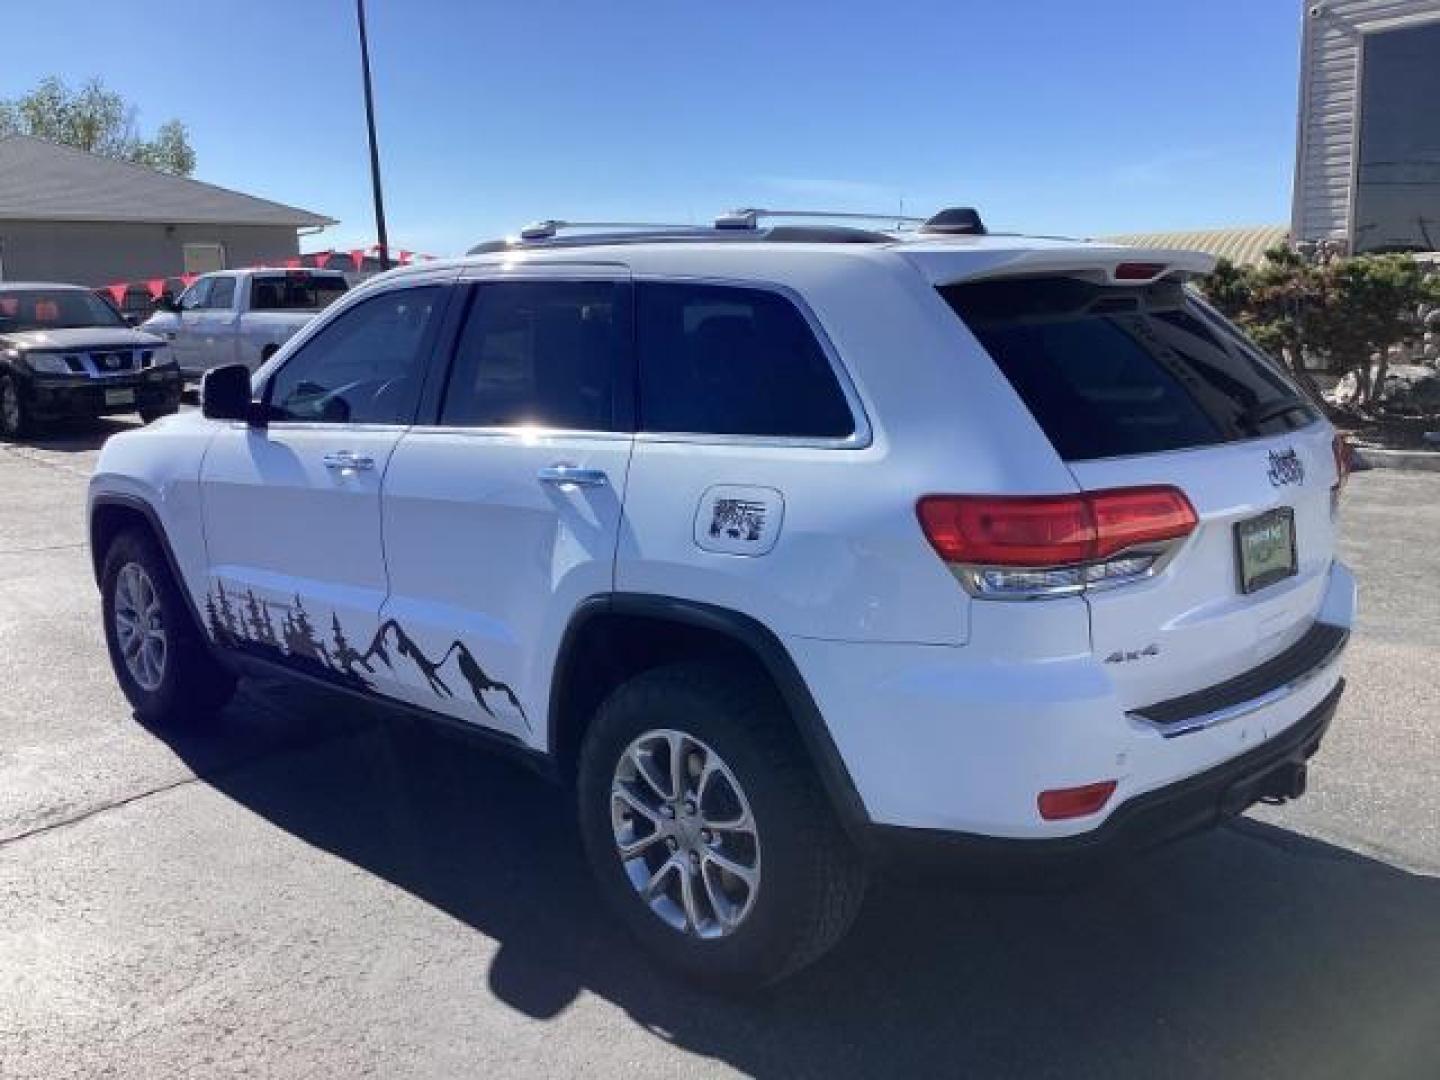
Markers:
1052,530
1074,802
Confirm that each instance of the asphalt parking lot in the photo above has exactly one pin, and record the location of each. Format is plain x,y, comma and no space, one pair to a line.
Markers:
306,892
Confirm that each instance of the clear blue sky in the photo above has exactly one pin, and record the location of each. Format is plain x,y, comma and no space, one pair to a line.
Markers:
1049,115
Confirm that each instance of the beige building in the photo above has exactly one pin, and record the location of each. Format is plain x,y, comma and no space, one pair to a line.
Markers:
69,216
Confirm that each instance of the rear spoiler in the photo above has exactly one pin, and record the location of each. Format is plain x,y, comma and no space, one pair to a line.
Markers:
1104,263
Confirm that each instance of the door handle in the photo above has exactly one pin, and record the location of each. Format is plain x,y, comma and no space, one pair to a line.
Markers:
572,475
347,461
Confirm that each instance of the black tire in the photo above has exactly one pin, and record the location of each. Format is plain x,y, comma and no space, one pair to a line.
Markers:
812,879
192,686
149,416
15,420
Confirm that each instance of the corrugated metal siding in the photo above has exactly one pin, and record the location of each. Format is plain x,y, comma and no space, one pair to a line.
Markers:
1243,246
1329,99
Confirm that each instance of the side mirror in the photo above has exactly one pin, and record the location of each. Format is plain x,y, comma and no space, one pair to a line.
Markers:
167,303
225,394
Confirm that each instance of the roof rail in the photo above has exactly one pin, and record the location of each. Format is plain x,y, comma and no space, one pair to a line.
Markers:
750,218
549,228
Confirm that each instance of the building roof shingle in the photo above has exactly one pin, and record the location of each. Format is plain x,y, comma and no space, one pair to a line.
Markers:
44,181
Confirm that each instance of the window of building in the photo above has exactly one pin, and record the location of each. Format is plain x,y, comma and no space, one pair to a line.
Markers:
204,258
1397,190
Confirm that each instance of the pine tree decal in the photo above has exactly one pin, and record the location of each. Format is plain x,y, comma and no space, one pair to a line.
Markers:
261,632
227,613
341,650
300,637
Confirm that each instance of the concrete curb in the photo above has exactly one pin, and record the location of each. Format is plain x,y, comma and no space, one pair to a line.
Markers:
1423,460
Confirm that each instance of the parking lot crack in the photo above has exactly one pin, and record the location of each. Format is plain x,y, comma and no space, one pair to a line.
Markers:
95,811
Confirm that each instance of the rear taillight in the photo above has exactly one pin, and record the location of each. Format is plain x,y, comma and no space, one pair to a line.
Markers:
1028,546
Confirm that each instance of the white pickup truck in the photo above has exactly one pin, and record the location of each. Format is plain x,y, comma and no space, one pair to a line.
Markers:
242,316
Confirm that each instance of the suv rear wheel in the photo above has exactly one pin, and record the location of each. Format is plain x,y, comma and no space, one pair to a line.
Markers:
707,830
162,662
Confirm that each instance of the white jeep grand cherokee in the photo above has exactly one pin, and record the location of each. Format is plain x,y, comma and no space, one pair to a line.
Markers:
789,547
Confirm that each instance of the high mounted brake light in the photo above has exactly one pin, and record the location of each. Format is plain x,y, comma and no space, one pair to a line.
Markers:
1032,546
1138,271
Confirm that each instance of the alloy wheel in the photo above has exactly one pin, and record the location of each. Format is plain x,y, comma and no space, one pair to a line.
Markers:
140,626
685,833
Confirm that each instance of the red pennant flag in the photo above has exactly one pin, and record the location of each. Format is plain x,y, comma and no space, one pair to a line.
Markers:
117,292
155,286
405,257
187,280
357,256
292,262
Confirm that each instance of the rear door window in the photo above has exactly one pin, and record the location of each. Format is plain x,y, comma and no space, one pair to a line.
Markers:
726,360
539,353
295,290
1112,371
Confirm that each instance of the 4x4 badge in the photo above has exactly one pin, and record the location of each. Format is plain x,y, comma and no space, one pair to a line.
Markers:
1285,467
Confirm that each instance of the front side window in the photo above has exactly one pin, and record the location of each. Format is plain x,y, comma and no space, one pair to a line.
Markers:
541,353
365,367
197,295
726,360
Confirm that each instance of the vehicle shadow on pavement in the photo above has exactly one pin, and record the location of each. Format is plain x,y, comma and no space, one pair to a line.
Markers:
79,436
1250,951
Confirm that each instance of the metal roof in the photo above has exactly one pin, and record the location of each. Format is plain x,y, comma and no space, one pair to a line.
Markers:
44,181
1243,246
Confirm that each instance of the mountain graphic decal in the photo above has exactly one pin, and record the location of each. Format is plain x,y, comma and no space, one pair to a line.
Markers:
246,624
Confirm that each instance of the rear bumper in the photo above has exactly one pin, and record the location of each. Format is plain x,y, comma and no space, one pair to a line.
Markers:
1273,769
963,740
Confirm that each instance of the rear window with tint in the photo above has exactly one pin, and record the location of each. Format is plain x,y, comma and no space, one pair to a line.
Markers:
1110,371
295,291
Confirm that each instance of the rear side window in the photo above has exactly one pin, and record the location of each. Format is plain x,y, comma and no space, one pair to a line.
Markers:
538,352
295,291
1110,371
724,360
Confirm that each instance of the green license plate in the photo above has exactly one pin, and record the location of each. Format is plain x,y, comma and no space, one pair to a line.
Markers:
1265,548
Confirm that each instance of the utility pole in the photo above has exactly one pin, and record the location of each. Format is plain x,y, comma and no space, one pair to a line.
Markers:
374,149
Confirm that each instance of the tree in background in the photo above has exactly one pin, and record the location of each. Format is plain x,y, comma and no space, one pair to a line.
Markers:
97,120
1346,312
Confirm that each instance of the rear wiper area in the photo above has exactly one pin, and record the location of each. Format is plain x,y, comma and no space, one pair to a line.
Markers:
1266,411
